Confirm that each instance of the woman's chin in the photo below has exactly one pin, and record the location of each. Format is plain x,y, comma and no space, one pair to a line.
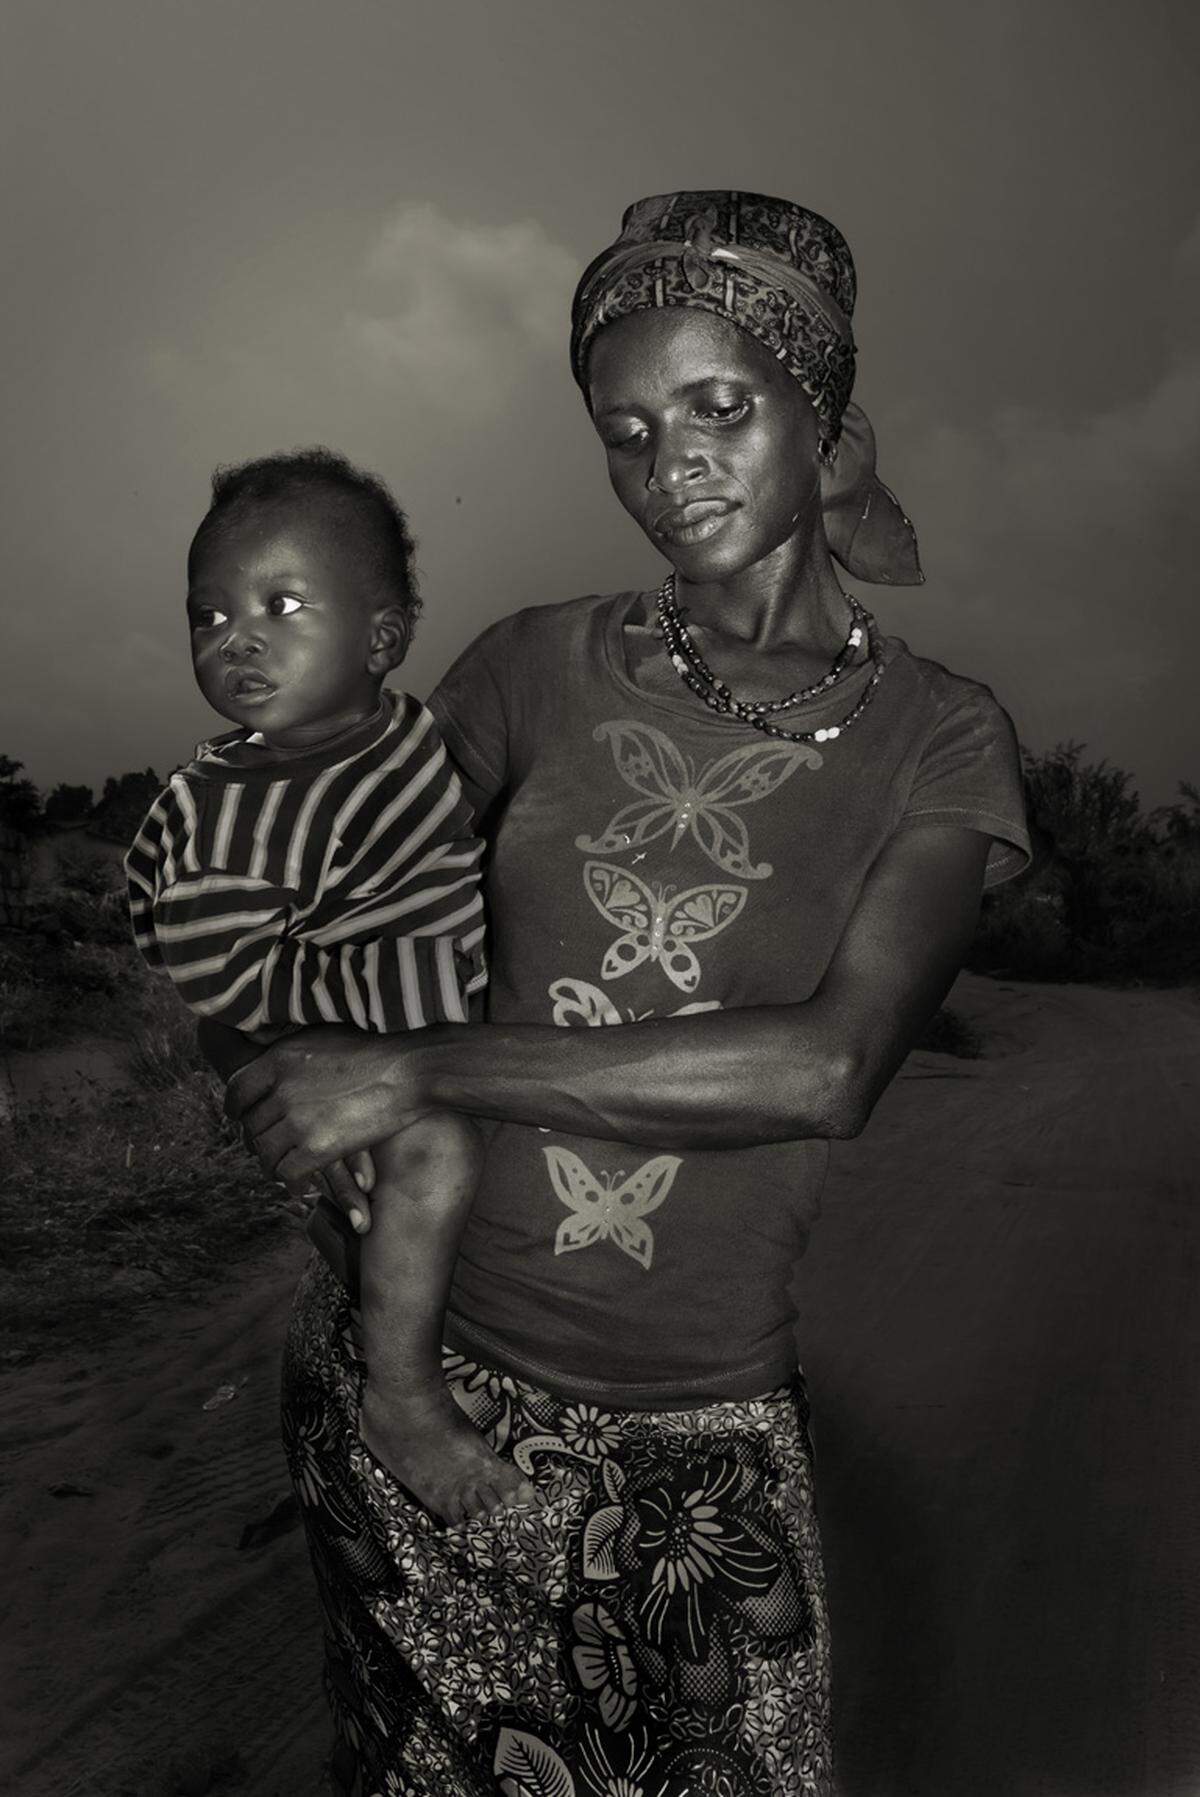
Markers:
708,564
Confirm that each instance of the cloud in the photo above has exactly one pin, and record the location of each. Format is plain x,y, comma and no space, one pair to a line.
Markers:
1088,493
1070,488
1059,546
461,313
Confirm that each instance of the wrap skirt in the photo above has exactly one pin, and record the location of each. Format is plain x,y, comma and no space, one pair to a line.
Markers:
654,1627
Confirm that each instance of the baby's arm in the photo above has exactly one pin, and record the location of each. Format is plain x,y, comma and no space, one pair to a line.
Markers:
239,957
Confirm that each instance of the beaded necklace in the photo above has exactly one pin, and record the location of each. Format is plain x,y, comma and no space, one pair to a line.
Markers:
695,673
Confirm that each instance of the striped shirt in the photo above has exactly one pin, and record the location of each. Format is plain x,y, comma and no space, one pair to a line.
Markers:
325,887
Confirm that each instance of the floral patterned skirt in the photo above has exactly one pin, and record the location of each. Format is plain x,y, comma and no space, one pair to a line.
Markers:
656,1628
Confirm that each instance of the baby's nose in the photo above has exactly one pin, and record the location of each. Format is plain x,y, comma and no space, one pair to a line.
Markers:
239,643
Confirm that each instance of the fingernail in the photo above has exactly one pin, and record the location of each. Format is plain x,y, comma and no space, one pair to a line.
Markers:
360,1180
357,1219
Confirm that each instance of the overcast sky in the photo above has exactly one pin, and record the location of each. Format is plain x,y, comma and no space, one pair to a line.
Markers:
233,226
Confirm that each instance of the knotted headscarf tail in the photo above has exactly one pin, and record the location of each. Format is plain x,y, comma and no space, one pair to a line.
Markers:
786,275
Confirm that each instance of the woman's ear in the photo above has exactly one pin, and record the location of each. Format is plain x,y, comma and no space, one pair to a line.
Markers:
391,633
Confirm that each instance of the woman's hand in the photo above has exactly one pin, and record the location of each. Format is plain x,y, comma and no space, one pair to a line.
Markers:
347,1182
321,1094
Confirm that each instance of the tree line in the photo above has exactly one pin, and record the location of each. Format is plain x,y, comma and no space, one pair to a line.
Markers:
25,809
1113,893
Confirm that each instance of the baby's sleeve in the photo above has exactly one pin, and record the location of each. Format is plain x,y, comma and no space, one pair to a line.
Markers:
143,877
970,774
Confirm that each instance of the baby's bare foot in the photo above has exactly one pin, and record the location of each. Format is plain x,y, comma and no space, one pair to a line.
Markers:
425,1440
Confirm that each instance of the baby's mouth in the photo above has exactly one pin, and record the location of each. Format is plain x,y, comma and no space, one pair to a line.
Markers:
247,684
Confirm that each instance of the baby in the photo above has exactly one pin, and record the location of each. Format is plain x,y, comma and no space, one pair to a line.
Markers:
318,865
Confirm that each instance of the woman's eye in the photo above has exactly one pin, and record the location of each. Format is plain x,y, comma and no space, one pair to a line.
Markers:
727,413
282,605
626,440
207,617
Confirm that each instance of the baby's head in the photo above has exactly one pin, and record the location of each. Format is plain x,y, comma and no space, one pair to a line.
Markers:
301,595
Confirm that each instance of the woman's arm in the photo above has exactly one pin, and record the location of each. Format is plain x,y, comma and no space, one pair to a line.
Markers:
723,1079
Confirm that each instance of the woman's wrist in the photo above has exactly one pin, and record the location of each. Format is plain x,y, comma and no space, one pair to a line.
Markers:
428,1074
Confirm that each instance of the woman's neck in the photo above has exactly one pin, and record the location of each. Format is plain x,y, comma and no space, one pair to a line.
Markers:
790,599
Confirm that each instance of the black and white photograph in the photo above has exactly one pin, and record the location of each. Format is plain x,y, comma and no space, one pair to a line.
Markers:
600,899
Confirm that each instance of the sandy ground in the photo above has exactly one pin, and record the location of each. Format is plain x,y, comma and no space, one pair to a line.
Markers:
1001,1329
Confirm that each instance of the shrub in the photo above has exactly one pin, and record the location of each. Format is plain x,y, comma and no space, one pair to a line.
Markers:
163,1052
55,990
1117,895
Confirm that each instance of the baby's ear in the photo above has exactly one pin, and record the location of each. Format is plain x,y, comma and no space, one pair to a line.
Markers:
390,636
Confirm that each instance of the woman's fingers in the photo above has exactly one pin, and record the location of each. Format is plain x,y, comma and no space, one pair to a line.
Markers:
249,1084
279,1153
346,1193
296,1164
362,1166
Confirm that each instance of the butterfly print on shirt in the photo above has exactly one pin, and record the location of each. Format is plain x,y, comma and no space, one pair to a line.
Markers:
677,798
656,926
579,1002
604,1210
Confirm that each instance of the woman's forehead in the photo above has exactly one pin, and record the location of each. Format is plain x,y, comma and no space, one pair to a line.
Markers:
672,347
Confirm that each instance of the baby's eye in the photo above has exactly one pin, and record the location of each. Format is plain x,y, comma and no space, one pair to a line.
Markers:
282,605
207,617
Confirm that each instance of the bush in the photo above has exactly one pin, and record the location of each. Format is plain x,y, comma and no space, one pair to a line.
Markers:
1117,895
86,901
55,990
163,1052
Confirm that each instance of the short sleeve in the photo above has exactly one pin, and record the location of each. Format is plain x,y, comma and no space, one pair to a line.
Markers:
471,707
970,774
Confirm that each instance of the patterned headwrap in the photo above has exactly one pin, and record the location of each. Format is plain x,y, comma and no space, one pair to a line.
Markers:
785,275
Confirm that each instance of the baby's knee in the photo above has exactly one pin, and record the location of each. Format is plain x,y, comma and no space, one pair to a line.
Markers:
435,1157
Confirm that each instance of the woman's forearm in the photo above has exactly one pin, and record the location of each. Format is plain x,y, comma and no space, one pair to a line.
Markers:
737,1078
746,1077
722,1079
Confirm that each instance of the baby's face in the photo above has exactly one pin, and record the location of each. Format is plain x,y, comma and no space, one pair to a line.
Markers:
282,627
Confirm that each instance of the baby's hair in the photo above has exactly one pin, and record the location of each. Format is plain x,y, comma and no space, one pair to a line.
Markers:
360,505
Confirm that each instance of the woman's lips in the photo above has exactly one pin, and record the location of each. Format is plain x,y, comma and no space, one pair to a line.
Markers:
694,522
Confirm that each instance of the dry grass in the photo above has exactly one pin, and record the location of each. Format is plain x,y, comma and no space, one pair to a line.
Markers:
120,1197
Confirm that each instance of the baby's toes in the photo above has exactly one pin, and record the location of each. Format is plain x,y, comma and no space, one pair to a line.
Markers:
478,1499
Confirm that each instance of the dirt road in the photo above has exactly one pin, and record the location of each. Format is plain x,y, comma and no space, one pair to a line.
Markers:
1001,1328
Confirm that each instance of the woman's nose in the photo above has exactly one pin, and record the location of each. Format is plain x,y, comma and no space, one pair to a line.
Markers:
675,466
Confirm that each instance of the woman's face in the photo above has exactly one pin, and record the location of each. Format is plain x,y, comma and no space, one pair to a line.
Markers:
711,444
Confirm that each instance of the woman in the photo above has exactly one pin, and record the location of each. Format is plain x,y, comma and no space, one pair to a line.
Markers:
732,797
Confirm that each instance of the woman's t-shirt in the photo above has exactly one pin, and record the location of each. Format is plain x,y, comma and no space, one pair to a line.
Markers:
649,859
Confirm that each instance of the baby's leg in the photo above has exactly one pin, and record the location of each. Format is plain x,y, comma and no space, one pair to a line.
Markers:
425,1180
